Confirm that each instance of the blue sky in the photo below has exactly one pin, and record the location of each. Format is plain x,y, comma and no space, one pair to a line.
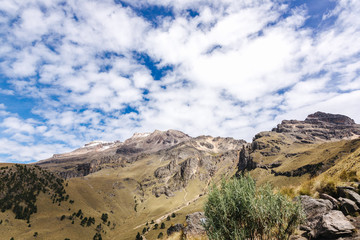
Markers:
82,70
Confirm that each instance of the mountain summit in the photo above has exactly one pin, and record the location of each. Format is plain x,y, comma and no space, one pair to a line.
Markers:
320,126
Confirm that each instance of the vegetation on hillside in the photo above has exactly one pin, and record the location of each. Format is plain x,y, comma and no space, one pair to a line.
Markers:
238,209
20,185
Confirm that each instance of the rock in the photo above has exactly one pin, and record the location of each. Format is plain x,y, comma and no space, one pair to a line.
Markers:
245,160
314,210
195,226
351,194
333,200
320,126
347,206
329,118
175,228
333,225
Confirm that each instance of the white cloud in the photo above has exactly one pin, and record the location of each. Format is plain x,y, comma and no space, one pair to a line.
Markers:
237,68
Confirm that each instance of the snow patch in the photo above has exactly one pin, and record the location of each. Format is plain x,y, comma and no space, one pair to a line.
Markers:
140,135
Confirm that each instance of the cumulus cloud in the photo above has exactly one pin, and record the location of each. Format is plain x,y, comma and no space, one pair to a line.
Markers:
105,69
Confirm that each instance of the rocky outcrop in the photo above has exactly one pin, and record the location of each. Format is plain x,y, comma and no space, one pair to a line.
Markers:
178,175
245,159
349,193
321,117
323,221
320,126
269,150
333,200
314,210
195,225
348,207
333,225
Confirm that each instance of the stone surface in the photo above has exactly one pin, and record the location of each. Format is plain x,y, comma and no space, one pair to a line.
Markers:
332,225
351,194
314,210
348,207
195,226
245,159
320,126
333,200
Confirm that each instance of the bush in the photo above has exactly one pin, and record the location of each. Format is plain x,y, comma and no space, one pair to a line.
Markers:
104,217
240,210
160,235
97,236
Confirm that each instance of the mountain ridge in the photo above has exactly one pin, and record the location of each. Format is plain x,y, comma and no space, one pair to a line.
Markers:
152,176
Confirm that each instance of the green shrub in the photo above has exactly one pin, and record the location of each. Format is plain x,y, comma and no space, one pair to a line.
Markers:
239,210
97,236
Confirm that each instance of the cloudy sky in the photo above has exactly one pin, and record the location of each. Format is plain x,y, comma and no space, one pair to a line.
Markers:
73,71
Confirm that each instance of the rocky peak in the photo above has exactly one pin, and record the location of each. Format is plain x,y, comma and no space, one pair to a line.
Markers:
320,126
329,118
155,141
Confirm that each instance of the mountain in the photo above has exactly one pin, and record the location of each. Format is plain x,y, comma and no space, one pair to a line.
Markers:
299,149
160,177
96,155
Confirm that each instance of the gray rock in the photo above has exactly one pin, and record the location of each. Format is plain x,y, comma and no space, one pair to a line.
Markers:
195,225
314,210
333,225
347,206
348,193
246,160
333,200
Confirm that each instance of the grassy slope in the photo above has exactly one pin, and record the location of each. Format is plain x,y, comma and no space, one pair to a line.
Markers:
296,155
114,191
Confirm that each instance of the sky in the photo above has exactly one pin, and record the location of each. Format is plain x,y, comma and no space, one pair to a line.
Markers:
74,71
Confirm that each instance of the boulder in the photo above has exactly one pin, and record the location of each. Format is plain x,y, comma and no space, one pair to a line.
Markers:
347,206
332,225
314,210
175,228
195,225
333,200
351,194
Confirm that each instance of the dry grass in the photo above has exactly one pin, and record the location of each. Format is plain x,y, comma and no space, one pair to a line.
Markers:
97,194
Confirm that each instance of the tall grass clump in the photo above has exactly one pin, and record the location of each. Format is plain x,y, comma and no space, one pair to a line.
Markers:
238,209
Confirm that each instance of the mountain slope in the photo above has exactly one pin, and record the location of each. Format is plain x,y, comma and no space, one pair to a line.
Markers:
297,150
144,180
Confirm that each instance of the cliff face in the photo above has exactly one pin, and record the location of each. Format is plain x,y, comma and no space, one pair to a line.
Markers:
300,148
97,155
320,127
176,157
